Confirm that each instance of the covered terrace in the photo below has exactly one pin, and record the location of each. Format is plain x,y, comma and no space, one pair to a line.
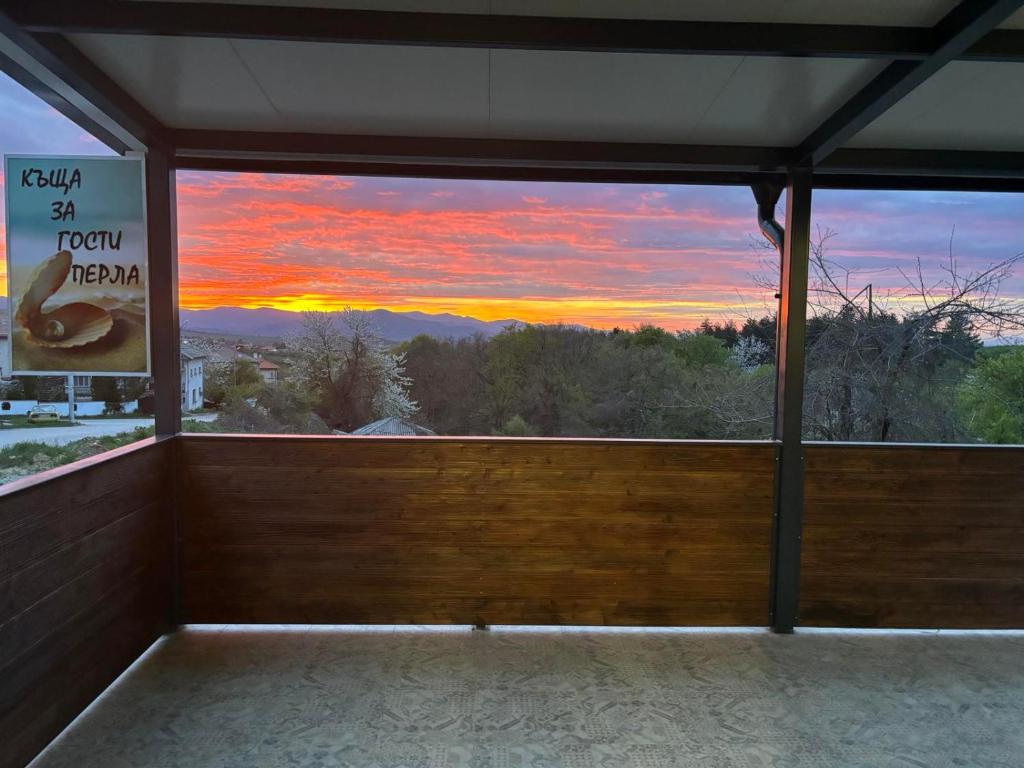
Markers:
217,569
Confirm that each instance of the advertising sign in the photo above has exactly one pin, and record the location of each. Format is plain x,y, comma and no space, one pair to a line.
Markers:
76,265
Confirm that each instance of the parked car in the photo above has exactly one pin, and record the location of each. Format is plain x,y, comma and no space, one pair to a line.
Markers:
43,413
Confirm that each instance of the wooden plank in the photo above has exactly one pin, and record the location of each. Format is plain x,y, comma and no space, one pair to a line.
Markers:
474,610
303,526
913,536
72,667
48,574
44,518
894,562
450,530
448,453
883,458
903,615
134,545
900,538
449,562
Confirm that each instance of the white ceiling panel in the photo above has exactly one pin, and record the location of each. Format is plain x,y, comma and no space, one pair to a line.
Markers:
966,105
602,96
778,102
184,82
372,89
1015,22
681,99
424,91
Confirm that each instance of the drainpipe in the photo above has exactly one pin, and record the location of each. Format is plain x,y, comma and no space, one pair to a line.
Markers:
767,195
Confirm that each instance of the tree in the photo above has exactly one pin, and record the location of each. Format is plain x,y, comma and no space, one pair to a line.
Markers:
877,374
280,409
540,373
354,378
516,427
726,332
450,383
105,388
991,398
238,379
318,352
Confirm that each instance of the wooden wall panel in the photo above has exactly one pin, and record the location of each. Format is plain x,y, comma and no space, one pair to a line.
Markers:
85,586
913,536
372,530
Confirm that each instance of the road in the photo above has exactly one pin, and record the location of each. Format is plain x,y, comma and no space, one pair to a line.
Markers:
84,428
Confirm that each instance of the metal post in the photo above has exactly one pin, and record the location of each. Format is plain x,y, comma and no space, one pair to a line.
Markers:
70,386
789,395
165,343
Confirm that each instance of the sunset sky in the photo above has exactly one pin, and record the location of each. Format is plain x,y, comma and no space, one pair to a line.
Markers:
595,254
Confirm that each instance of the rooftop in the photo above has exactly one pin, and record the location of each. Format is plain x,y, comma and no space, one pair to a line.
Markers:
394,426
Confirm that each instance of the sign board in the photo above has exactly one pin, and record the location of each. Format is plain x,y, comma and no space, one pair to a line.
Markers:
78,293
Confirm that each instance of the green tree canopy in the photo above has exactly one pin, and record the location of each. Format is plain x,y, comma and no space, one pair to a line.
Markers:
991,399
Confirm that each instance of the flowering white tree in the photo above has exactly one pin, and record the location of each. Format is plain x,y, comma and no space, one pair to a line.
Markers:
392,393
350,370
749,353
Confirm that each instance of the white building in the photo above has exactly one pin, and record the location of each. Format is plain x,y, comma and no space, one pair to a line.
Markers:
191,380
270,372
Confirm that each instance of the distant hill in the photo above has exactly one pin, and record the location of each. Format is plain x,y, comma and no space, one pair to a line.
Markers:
394,326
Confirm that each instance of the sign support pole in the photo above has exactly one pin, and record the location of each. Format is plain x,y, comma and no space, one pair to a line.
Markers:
70,385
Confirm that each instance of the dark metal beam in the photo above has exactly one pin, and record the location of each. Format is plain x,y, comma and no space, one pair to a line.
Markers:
197,145
930,183
332,25
585,161
59,74
925,162
961,28
880,181
477,171
789,396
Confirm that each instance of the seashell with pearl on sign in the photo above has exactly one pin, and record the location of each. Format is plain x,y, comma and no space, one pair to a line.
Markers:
71,325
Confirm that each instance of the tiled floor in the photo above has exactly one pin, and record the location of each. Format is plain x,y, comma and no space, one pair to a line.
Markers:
504,698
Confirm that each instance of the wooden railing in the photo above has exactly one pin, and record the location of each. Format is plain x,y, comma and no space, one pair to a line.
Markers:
431,530
85,586
913,536
100,558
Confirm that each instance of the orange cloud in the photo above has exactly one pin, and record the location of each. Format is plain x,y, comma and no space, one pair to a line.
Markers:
610,259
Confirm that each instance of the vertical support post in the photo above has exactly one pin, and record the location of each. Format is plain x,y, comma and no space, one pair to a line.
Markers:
789,396
165,344
165,341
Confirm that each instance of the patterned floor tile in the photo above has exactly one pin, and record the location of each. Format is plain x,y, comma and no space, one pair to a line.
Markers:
460,699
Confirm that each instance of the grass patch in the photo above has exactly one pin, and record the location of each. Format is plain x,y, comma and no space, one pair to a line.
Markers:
22,422
29,457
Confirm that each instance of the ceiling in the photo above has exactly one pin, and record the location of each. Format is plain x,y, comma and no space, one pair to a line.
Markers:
284,86
415,90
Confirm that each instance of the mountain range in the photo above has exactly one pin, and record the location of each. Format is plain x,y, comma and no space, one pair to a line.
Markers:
393,326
